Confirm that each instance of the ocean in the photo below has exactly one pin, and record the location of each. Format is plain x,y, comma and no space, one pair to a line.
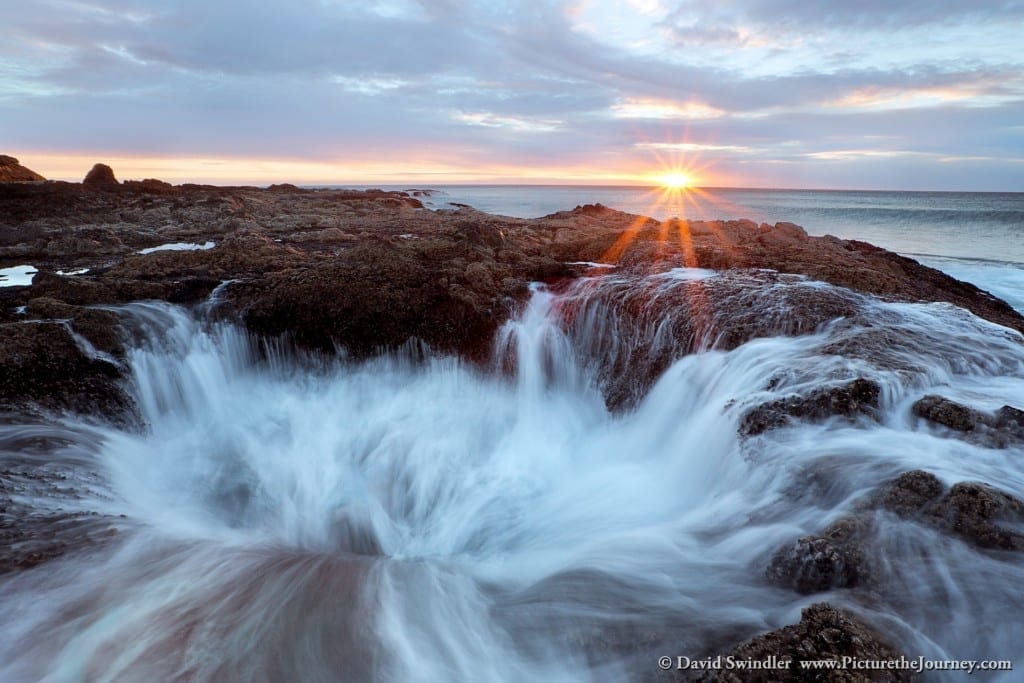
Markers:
419,518
973,236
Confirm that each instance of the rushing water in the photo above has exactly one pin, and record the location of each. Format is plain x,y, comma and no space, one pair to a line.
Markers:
424,520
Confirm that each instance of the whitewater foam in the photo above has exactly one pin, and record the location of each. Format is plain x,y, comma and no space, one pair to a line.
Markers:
423,520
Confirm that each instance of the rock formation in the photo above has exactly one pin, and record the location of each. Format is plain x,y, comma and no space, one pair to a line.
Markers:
841,557
1003,428
823,633
100,177
11,171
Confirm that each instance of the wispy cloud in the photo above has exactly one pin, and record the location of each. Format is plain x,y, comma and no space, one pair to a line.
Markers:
785,89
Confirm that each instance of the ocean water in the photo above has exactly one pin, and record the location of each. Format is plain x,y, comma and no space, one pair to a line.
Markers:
418,518
402,520
973,236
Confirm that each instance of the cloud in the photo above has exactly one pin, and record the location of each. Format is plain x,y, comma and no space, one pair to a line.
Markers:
718,20
527,83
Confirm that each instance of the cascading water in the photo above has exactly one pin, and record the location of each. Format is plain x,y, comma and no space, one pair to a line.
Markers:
427,521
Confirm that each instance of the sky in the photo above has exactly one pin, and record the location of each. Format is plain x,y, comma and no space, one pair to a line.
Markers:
855,94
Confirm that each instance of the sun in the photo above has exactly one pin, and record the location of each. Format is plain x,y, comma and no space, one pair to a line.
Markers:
675,181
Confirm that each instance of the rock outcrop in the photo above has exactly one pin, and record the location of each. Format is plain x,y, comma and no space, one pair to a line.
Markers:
100,177
11,171
841,557
859,397
42,364
1003,428
373,270
833,559
823,633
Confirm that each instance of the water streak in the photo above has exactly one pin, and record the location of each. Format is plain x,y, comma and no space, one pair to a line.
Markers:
416,520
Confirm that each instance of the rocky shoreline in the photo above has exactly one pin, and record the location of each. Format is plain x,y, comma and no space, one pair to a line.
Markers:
366,272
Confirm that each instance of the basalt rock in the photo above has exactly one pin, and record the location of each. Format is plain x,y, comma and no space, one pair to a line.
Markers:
149,186
974,511
101,329
11,171
100,177
823,633
87,291
42,364
859,397
812,564
379,295
718,312
367,270
1001,429
841,556
909,493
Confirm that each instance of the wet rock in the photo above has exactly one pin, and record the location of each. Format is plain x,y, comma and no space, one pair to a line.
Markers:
998,430
100,177
41,365
11,171
841,557
81,290
948,413
379,295
859,397
720,312
813,564
99,328
974,511
823,633
909,493
463,275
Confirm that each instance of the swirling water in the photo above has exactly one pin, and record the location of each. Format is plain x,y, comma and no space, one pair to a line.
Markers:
409,519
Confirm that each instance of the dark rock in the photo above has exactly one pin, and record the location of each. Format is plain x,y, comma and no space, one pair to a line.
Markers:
463,276
721,312
100,328
481,234
822,633
1009,417
149,186
100,177
948,413
839,557
819,563
42,365
85,291
999,430
909,493
11,171
353,300
859,397
973,511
